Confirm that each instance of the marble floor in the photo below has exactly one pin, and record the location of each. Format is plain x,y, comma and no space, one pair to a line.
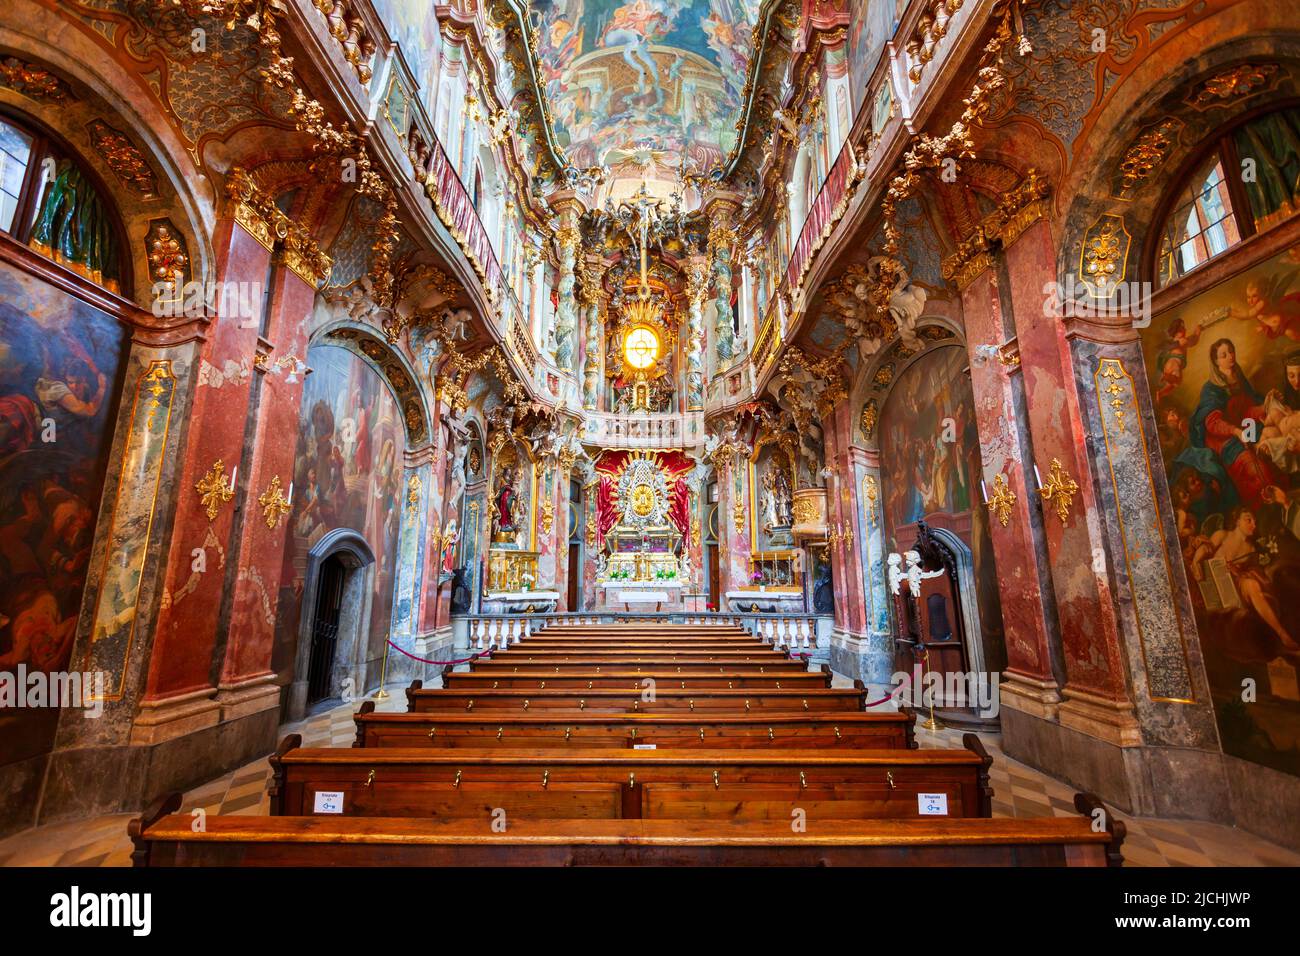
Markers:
1018,791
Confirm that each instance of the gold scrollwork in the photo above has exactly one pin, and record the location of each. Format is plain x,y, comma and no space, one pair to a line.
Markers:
1103,258
274,504
1060,488
213,489
1003,500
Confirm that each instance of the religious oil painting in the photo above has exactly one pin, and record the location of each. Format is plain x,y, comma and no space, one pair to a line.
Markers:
347,475
1225,375
59,367
930,455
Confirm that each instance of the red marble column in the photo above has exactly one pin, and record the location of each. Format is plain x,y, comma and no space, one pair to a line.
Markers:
246,671
179,690
843,510
435,600
1097,700
733,542
1029,682
559,536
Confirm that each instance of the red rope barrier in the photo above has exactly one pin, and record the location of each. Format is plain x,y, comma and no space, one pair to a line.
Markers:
425,660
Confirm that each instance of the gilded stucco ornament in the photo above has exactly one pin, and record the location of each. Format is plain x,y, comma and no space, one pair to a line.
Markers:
214,489
1061,489
274,504
1002,500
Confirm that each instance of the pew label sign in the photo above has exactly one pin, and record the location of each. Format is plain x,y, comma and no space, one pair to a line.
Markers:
932,804
329,801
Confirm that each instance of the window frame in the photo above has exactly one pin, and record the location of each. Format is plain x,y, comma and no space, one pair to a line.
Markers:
47,142
1222,144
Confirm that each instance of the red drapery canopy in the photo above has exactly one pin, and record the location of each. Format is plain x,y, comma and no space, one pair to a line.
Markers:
674,465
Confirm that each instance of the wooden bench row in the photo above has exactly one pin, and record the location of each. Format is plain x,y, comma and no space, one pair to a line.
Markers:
538,677
555,783
164,838
605,700
888,730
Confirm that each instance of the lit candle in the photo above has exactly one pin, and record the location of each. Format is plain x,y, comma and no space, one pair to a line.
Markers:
232,478
1038,479
984,492
289,500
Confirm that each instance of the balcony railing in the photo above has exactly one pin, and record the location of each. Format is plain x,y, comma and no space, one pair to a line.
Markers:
832,200
452,203
645,431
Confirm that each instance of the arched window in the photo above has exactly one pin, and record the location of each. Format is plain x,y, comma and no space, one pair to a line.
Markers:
1246,181
50,202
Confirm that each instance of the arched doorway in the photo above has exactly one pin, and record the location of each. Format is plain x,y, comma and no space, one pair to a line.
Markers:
325,629
333,634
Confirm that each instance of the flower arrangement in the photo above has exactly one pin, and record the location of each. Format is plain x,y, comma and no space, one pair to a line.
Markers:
527,580
756,576
666,574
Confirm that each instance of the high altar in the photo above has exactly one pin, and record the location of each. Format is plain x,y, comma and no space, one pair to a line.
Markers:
643,519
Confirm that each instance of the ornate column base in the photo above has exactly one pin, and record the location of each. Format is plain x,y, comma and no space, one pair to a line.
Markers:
1100,717
175,717
250,696
865,657
1029,695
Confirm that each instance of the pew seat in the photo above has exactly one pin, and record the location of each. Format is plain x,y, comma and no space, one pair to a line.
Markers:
887,730
689,783
164,838
599,700
763,664
539,678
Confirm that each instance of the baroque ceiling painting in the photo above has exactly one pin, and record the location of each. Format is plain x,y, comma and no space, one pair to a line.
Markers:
650,87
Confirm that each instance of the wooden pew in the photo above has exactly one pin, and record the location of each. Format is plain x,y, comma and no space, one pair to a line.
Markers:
598,700
501,659
164,838
539,678
709,652
879,731
594,662
642,639
559,783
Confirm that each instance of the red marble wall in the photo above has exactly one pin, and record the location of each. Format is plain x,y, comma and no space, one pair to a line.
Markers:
185,637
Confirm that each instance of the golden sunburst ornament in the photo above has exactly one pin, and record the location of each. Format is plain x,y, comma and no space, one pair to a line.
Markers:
643,500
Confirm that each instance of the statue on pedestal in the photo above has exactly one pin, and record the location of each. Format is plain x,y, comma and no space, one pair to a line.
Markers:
504,519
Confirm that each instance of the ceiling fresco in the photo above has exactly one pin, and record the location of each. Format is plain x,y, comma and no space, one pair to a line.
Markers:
645,86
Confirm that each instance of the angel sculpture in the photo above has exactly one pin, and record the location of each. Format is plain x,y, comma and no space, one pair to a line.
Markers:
906,302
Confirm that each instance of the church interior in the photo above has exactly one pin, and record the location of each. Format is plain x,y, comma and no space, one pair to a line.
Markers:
643,432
